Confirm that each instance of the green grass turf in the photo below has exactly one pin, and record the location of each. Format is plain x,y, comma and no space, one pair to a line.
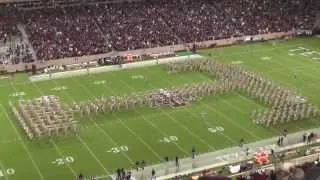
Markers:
142,130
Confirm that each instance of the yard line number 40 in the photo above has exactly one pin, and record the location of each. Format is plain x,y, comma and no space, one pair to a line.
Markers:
216,129
169,139
118,149
62,161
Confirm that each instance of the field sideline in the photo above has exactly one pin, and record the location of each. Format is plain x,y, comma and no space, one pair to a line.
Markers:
118,140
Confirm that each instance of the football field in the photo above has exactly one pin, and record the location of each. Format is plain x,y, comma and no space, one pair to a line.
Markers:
117,140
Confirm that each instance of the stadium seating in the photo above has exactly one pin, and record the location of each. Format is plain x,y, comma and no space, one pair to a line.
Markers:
94,29
12,49
7,28
58,33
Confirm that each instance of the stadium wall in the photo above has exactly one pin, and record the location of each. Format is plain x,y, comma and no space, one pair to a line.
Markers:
150,51
96,70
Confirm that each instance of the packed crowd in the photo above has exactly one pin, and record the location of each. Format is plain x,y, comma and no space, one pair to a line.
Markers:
12,48
8,28
93,29
15,53
206,20
58,33
133,26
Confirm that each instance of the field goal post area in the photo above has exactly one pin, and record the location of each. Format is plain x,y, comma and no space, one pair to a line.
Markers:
102,69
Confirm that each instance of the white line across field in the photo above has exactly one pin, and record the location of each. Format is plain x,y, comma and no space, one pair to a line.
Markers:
52,142
196,117
22,143
223,115
2,169
174,120
92,154
224,157
21,139
128,128
84,143
151,124
279,64
61,154
79,138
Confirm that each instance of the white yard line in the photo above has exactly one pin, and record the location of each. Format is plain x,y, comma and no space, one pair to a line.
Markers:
252,102
165,134
152,124
236,108
61,154
92,154
231,121
85,145
280,72
23,144
174,120
140,139
196,117
225,117
210,125
254,51
128,128
277,62
52,142
242,112
284,73
100,129
305,72
3,170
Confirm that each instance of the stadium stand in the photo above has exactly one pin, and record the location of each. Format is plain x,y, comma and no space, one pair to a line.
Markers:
133,26
50,30
57,33
97,28
13,49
